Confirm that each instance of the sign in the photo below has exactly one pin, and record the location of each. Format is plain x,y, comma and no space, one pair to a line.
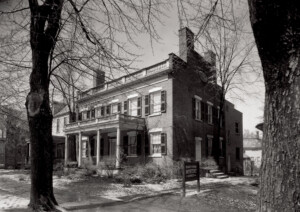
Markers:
191,172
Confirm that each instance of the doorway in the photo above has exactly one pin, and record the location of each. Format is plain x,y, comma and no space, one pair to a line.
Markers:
198,149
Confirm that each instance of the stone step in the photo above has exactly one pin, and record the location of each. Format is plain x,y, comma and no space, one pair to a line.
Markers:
223,176
217,173
214,171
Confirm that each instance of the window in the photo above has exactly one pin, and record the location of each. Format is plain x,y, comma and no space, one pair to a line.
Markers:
114,108
197,108
237,128
102,109
93,113
57,125
108,109
158,145
237,153
88,114
133,107
209,146
132,146
155,102
210,115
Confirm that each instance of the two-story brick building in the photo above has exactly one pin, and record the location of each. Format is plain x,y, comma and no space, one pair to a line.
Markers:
161,113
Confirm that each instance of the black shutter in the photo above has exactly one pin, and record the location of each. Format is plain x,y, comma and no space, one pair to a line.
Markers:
147,144
194,107
102,111
93,113
125,144
147,101
139,144
108,109
163,144
101,146
139,106
125,108
119,107
163,107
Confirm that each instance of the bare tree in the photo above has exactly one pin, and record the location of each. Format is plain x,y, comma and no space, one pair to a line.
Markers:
277,33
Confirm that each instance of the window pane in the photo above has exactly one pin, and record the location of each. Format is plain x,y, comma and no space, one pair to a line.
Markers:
155,102
155,143
133,107
114,108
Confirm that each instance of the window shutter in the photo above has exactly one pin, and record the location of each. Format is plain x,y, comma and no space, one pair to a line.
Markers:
163,144
93,113
139,144
102,110
125,144
147,144
147,101
163,107
139,106
194,107
119,107
108,109
125,107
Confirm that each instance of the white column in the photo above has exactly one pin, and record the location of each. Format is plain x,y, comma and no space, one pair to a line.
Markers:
79,149
66,149
118,152
98,147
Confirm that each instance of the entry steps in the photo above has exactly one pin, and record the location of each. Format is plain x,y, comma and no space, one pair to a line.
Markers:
215,173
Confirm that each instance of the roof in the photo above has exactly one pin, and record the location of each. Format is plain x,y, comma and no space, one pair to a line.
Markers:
63,111
252,143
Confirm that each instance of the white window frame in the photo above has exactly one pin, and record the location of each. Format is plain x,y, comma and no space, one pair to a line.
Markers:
157,154
130,109
151,103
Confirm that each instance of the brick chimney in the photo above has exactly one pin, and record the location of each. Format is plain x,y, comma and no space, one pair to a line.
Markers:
186,42
98,78
210,57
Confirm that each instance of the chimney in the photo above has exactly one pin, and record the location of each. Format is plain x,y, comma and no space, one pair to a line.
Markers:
98,78
186,42
210,57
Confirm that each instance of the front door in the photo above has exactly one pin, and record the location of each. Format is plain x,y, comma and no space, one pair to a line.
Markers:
112,147
198,149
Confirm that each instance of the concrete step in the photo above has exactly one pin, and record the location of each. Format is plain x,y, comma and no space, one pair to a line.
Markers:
217,173
214,171
223,176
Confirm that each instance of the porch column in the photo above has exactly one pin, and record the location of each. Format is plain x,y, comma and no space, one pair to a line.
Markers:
118,146
98,147
66,149
79,149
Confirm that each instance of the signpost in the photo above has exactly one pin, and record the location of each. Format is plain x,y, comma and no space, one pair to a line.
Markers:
191,172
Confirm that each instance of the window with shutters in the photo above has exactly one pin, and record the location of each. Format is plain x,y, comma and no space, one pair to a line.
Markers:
156,102
158,144
197,109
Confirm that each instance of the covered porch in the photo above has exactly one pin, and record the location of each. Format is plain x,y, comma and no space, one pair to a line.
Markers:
104,142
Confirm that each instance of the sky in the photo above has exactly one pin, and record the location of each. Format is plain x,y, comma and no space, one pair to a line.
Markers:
250,103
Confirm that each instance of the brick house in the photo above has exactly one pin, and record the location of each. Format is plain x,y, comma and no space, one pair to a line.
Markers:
162,113
14,135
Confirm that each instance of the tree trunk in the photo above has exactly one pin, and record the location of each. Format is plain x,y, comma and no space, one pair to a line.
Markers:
43,29
277,35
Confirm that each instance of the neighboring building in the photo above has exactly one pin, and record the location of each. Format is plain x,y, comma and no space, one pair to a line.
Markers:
14,135
234,137
252,154
162,113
